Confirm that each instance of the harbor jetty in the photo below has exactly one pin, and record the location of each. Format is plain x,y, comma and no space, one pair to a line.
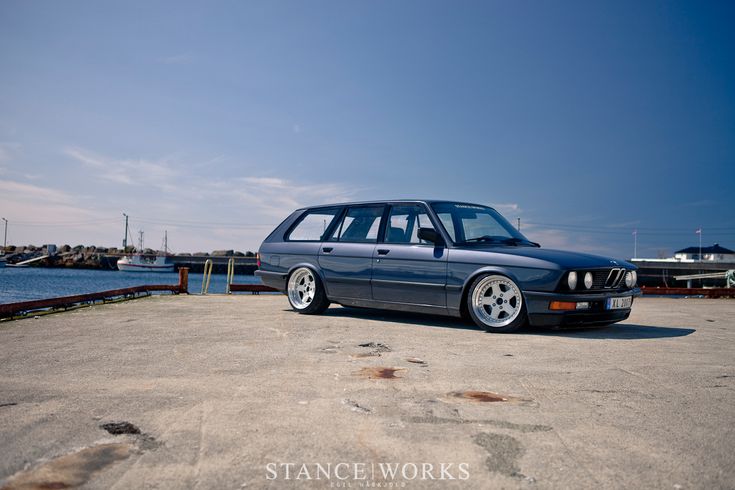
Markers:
103,258
189,391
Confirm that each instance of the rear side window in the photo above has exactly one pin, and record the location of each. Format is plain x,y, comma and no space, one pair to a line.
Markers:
313,225
359,225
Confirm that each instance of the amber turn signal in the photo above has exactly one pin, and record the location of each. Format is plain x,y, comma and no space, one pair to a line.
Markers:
563,305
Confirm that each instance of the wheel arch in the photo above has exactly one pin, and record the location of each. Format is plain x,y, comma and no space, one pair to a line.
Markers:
313,267
483,271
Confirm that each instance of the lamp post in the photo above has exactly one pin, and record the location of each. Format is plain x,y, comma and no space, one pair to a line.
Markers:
635,244
125,237
5,239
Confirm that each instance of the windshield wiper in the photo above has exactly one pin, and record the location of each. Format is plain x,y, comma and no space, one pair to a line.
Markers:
484,238
508,240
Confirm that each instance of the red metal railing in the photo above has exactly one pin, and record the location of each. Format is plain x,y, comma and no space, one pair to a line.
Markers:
706,292
11,310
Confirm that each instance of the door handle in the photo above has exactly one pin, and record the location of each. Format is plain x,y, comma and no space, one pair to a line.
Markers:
326,250
383,251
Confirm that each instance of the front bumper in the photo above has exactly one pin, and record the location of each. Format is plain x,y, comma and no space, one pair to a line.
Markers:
539,314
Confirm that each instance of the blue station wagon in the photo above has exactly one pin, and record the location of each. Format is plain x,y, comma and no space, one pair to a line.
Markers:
447,258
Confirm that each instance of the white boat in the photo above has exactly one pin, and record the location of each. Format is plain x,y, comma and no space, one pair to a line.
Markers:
142,263
146,263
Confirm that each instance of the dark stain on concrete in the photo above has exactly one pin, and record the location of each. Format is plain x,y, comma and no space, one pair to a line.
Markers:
71,470
380,372
8,404
481,396
376,346
501,424
118,428
356,407
503,453
145,441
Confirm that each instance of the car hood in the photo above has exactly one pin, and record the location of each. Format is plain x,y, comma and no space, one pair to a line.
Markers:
565,260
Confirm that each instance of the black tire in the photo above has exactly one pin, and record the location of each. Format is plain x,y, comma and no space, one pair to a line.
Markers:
512,321
305,292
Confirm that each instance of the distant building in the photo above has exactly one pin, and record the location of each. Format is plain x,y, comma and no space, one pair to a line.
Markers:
715,253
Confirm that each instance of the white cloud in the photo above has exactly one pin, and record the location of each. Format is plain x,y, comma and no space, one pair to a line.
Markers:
575,241
503,208
18,191
197,198
135,172
40,215
7,150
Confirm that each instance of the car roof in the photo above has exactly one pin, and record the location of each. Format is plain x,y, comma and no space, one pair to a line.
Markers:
389,201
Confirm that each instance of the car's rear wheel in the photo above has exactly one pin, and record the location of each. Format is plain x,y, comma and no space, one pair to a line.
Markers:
306,293
495,303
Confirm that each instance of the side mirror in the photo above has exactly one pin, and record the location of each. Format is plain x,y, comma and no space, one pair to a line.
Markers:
430,235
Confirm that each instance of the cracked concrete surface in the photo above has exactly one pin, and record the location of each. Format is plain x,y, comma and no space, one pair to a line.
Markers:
227,385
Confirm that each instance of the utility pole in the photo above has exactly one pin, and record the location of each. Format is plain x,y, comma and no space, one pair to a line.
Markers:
125,237
635,244
5,240
519,224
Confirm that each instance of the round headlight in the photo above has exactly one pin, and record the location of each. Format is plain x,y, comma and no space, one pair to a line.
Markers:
635,278
572,280
588,280
629,279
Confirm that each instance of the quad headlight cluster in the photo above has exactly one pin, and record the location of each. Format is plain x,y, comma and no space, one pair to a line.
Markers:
573,278
631,278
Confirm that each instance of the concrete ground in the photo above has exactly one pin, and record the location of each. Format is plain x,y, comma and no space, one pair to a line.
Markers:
233,392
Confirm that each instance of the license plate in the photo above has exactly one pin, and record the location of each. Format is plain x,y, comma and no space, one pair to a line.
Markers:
619,303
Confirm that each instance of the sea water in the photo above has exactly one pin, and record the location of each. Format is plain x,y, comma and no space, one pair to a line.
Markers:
29,283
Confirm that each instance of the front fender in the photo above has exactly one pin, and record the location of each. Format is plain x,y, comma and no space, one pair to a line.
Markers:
461,277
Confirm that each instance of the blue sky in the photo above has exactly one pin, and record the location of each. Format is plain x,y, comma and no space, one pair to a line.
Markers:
214,120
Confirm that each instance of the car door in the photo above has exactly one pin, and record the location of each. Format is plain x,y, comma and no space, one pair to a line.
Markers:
346,257
406,269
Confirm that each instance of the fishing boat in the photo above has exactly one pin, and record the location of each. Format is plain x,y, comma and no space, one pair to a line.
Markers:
138,262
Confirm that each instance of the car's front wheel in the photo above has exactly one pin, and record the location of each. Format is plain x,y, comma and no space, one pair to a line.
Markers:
495,303
306,293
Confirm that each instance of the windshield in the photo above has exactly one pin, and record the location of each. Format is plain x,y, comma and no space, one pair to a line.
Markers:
470,223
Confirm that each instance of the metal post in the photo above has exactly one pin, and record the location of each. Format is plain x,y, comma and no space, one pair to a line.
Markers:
184,280
5,240
635,244
125,237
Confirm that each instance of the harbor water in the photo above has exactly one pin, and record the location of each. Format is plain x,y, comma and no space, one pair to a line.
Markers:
30,283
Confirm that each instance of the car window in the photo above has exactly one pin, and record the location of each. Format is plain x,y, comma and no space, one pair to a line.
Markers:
360,224
479,224
404,223
471,223
446,219
313,225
